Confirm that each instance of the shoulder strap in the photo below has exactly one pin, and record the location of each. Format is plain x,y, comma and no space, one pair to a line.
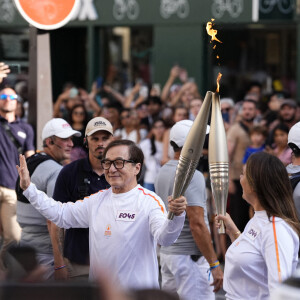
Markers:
294,179
276,249
11,136
82,180
32,163
246,129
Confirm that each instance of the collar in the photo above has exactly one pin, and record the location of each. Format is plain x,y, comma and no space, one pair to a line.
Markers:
3,120
87,167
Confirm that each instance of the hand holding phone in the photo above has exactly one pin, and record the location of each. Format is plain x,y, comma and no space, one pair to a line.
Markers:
144,91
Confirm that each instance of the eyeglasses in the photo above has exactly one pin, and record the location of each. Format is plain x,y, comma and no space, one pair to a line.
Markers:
10,97
118,163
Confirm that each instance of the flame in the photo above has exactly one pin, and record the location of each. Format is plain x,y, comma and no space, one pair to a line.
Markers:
218,82
212,32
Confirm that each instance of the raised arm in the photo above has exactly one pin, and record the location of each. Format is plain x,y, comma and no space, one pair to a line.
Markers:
4,70
174,73
65,215
23,173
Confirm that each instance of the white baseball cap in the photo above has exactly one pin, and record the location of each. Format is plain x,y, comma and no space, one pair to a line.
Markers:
60,128
294,138
180,131
97,124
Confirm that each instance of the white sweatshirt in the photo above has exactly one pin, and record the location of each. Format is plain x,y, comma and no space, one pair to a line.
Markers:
124,231
251,265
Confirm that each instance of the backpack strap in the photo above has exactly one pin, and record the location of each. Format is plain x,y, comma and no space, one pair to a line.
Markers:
294,179
11,136
276,249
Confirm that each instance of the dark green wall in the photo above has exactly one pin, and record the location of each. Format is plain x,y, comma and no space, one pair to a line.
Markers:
182,45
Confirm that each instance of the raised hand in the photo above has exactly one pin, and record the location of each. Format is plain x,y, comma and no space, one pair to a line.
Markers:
23,173
4,70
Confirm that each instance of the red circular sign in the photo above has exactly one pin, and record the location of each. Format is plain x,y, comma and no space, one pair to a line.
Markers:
47,14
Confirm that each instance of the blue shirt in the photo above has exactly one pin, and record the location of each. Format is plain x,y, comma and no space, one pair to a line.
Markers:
251,150
9,156
76,246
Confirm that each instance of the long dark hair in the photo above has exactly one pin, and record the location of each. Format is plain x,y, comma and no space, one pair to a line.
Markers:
268,178
86,118
152,138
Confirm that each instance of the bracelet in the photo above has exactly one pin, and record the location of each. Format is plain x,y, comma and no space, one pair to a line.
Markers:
237,234
214,264
60,267
214,267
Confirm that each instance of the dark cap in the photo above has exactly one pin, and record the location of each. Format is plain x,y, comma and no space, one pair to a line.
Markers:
289,102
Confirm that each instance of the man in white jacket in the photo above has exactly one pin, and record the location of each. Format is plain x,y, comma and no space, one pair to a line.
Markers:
126,221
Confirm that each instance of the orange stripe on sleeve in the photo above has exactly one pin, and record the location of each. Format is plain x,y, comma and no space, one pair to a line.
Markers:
161,207
95,193
276,247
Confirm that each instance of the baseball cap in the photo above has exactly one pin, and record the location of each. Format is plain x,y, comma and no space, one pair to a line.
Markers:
294,138
228,101
60,128
97,124
180,131
289,102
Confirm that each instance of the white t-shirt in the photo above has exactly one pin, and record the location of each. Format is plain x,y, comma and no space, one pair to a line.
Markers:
132,136
251,269
124,231
151,162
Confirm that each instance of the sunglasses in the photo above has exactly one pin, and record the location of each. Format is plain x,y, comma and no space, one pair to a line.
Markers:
10,97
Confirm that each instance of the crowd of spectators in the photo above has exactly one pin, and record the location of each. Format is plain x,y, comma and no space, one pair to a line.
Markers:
145,114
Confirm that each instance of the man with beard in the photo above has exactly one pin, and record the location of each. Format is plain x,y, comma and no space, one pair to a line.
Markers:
77,180
15,137
238,140
287,114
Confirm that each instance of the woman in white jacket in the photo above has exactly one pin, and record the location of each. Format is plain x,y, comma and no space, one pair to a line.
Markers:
267,251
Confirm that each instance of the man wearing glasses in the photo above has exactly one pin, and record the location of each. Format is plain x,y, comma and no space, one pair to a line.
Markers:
78,180
15,137
126,221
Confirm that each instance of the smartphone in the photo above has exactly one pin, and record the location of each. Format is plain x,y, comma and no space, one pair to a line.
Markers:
144,91
156,86
73,92
14,69
99,81
139,81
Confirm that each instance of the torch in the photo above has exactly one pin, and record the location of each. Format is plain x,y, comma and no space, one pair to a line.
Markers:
218,159
191,151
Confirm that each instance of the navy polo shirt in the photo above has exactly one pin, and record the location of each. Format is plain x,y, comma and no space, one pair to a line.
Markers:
76,246
9,156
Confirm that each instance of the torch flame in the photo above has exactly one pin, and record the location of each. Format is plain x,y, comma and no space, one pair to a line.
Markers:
212,32
218,82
